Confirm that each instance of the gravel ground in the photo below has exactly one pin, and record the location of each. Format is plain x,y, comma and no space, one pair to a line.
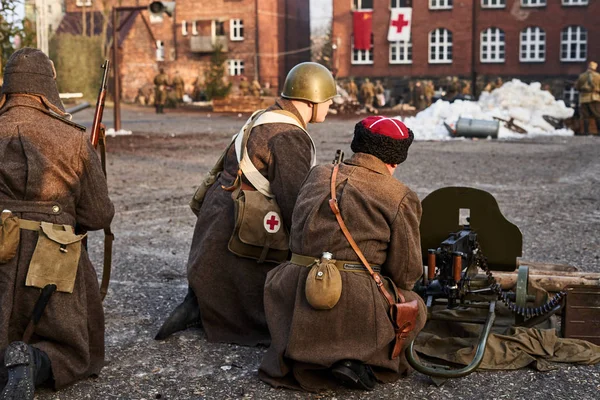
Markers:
549,187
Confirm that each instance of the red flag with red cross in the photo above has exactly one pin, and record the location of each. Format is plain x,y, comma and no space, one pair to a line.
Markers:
400,24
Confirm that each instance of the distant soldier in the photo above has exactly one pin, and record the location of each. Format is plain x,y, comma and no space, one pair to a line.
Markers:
178,86
266,90
379,93
429,92
198,88
160,91
452,90
352,90
367,92
255,88
466,90
244,86
419,100
51,180
588,85
498,83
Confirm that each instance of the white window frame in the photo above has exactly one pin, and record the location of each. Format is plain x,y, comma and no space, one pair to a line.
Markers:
575,3
194,28
534,40
493,3
236,30
83,3
397,4
235,67
441,36
492,45
579,42
406,48
184,29
362,57
440,4
533,3
160,50
357,5
570,95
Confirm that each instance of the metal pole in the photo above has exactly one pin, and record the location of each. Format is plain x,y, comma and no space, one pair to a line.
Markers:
474,50
116,83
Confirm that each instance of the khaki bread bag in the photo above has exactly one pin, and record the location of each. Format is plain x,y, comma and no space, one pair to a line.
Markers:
55,258
9,236
323,284
259,232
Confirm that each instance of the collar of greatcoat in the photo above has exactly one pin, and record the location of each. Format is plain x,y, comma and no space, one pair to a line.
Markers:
368,161
287,105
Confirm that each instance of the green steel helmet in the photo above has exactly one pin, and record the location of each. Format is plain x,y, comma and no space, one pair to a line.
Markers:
309,81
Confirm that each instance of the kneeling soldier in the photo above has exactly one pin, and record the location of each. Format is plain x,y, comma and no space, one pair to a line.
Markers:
327,317
51,180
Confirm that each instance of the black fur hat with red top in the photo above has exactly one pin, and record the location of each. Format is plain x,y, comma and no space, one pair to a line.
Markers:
385,138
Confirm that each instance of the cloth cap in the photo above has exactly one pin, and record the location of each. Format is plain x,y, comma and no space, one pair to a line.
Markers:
385,138
30,71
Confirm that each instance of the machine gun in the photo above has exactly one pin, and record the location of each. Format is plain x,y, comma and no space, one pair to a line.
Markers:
454,264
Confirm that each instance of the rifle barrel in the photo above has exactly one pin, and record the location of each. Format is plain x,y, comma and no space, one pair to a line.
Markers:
96,125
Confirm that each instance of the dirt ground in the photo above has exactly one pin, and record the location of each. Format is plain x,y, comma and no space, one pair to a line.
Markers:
548,187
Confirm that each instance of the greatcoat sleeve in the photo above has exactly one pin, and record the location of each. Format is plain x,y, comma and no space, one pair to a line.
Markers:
94,208
404,264
291,158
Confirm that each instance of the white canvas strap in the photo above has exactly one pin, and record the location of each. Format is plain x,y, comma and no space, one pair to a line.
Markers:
258,181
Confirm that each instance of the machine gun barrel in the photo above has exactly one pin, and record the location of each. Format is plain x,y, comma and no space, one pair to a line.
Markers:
78,107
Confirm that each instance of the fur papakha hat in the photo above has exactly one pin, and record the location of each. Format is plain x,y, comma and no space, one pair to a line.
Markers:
385,138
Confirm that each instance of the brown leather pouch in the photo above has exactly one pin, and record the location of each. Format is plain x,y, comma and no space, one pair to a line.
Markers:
404,319
9,236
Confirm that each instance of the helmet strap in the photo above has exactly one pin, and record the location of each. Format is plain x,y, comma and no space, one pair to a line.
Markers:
313,117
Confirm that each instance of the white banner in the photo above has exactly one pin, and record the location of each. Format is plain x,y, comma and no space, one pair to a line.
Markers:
400,24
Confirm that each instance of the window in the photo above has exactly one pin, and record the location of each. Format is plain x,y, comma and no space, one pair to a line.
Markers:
195,28
440,4
571,96
362,56
218,28
236,67
533,45
573,44
83,3
400,3
533,3
236,29
492,46
440,46
184,30
362,4
493,3
575,2
160,51
401,52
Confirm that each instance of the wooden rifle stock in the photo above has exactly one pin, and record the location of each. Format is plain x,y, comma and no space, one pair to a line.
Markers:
97,124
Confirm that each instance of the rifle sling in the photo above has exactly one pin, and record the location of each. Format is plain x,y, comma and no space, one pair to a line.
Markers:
109,237
333,204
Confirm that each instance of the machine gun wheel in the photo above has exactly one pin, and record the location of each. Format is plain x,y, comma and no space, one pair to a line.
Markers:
510,124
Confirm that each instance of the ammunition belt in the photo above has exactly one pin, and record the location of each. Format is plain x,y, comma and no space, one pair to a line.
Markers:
346,266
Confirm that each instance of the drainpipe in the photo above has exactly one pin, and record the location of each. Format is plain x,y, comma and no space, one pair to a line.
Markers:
256,60
474,50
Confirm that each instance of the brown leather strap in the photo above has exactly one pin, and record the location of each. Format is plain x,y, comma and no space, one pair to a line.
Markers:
333,204
109,237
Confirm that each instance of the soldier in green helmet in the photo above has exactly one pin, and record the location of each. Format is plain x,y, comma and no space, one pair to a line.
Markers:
225,294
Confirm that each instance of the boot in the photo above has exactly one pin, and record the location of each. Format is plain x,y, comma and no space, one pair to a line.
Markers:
157,108
354,374
586,127
28,368
186,315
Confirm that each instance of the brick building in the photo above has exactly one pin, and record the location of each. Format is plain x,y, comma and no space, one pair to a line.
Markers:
544,40
262,39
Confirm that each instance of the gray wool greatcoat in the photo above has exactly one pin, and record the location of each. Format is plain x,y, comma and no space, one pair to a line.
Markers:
383,216
46,162
230,288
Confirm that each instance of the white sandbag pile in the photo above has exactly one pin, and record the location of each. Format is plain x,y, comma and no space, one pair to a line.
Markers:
525,103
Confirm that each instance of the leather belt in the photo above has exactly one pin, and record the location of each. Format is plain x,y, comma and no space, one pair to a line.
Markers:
347,266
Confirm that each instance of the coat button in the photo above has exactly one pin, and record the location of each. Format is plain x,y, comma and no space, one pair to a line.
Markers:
55,209
320,274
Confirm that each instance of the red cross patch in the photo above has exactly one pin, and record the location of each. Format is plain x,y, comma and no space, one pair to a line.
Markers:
272,222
